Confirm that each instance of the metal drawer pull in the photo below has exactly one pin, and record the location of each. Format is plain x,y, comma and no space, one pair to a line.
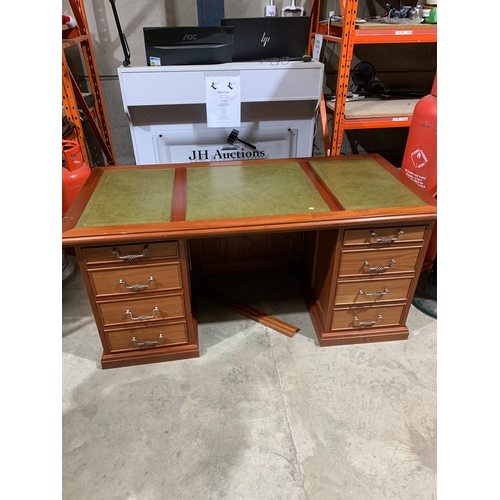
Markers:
148,342
142,318
366,323
137,288
375,294
130,256
386,239
379,269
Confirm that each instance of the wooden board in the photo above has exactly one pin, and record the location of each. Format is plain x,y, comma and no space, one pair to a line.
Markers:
376,108
252,313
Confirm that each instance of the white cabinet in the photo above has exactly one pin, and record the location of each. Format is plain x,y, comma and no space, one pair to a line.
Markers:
166,108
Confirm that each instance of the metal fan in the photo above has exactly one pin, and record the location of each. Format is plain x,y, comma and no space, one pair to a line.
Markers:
362,75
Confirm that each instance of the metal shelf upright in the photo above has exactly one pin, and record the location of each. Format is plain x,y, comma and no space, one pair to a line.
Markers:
348,33
72,96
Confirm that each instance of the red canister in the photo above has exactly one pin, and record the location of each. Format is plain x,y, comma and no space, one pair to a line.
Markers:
74,173
420,156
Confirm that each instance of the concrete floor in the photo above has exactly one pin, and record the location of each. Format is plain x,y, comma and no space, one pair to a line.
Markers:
258,416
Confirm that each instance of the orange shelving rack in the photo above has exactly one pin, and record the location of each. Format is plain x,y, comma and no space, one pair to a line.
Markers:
72,97
349,33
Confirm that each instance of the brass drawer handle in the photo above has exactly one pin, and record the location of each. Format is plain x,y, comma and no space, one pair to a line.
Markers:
386,239
130,256
374,294
137,288
379,269
148,342
366,323
142,318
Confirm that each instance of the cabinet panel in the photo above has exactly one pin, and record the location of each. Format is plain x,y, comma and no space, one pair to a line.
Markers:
379,235
135,252
254,251
151,337
109,281
357,318
375,262
144,310
371,291
170,85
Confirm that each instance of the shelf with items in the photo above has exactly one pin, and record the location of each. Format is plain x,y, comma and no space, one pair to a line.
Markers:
74,102
376,113
371,32
347,34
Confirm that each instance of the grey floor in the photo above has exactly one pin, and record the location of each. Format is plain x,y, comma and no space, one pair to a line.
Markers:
257,416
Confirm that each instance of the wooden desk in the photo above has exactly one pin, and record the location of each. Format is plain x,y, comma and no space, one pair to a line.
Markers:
354,227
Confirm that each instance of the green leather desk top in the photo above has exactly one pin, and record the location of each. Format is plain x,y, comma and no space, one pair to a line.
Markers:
130,197
361,183
259,191
145,195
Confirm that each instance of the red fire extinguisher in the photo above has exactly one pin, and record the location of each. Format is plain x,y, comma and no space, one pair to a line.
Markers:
74,173
420,156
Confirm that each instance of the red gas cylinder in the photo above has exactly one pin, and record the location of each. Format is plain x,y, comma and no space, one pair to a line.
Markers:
74,173
420,156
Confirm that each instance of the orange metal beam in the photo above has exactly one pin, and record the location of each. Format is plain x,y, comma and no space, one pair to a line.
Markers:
95,86
80,36
349,9
420,35
324,124
379,122
92,117
71,107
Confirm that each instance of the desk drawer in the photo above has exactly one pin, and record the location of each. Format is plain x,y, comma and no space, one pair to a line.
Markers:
381,235
136,279
376,262
131,253
371,291
151,337
357,318
142,311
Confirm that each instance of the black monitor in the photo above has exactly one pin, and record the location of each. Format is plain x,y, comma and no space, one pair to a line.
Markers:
177,45
257,38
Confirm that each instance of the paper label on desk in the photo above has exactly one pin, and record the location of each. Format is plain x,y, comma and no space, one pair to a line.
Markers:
223,101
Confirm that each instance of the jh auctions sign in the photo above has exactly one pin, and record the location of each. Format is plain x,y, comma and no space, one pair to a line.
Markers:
225,154
189,154
206,147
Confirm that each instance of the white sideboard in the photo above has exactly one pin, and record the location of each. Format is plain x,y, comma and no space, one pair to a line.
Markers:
166,108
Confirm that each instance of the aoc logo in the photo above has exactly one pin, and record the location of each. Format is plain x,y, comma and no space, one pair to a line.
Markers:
194,36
